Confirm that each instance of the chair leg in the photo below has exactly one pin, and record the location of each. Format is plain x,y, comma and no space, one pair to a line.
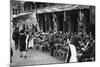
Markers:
63,54
40,48
55,53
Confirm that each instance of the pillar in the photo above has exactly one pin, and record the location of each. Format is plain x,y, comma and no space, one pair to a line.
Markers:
64,22
45,22
54,21
69,23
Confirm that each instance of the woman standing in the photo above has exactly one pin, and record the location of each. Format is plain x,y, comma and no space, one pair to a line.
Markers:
31,41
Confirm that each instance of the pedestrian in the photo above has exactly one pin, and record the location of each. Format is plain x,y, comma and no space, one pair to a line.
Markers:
11,54
30,39
15,37
23,43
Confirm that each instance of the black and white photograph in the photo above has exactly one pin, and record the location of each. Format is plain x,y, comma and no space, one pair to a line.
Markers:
43,33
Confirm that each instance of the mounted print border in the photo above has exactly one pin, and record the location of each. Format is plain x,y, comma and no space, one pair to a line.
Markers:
51,33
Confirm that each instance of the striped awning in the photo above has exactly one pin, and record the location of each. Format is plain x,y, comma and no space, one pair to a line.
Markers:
61,8
21,14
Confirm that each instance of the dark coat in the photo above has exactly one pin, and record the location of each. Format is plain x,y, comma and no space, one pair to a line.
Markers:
23,42
11,52
15,35
75,41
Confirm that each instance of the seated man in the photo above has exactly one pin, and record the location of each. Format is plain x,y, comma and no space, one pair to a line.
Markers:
88,51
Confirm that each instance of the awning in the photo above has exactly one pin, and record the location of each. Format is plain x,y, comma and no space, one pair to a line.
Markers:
61,8
30,21
21,14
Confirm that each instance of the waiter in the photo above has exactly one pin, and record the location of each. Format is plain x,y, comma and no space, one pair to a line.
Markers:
51,42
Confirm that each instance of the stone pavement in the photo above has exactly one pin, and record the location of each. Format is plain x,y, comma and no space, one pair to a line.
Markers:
34,57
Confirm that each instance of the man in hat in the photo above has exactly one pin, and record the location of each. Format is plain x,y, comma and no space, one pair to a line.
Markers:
23,43
15,37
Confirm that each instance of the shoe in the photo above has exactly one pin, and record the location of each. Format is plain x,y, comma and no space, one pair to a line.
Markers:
26,50
21,56
30,47
11,61
15,48
24,56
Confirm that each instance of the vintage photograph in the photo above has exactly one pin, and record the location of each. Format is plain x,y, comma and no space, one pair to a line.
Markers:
51,33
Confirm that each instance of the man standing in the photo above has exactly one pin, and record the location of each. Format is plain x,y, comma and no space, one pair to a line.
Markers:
16,37
23,43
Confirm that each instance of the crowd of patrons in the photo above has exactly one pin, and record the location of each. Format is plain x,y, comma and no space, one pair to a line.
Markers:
54,41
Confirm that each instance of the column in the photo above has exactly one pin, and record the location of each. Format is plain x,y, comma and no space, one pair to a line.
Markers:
54,21
64,21
41,22
49,22
22,6
69,24
45,22
81,20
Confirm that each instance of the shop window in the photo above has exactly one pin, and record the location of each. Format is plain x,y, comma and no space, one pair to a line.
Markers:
13,11
16,11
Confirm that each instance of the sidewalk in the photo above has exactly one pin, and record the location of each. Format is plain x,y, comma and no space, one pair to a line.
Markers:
34,58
